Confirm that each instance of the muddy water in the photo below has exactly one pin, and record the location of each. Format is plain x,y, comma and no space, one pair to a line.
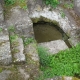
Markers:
45,32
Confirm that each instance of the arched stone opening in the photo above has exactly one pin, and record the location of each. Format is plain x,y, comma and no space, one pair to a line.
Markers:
46,31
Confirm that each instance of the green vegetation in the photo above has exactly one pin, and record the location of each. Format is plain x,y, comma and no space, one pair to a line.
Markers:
13,37
65,63
28,41
11,28
21,3
1,29
15,51
1,70
69,6
53,3
9,2
62,14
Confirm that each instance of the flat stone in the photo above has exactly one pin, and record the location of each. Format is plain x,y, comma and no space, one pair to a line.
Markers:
20,20
18,54
54,46
4,74
31,51
24,73
32,60
5,52
1,13
4,35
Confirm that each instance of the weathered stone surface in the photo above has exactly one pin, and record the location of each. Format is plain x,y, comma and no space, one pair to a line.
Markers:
4,74
5,53
63,78
52,16
32,60
20,20
17,50
77,6
55,78
5,56
75,37
54,46
74,41
67,78
67,24
1,14
24,74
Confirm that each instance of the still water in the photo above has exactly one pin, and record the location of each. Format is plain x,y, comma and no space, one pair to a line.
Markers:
45,32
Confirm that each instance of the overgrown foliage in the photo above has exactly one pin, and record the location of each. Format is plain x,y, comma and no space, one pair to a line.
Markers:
28,41
53,3
69,6
9,2
21,3
65,63
13,37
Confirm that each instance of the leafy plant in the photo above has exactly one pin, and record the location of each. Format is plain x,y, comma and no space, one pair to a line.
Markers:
13,37
53,3
1,29
28,41
21,3
64,63
9,2
69,6
62,14
45,58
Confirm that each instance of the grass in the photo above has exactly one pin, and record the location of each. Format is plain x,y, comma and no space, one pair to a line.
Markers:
53,3
62,14
28,41
65,63
1,29
13,38
21,3
69,6
1,70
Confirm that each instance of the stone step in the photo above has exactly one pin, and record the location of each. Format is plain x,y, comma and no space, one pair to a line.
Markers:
17,48
5,52
32,60
54,46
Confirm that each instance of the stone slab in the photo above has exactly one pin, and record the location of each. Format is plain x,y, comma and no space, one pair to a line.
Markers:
4,74
19,55
54,46
5,52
